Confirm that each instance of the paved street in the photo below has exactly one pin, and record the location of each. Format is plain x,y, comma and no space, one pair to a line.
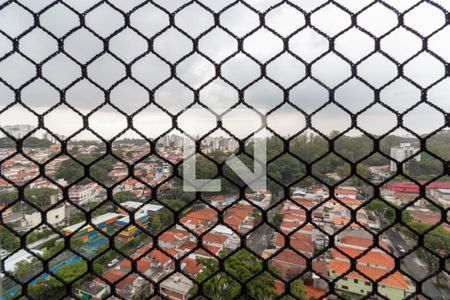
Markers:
259,239
417,270
43,240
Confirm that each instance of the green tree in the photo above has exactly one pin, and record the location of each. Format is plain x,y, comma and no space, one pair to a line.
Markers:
382,209
8,240
71,272
24,267
41,197
7,197
277,219
125,196
242,266
297,288
174,204
38,291
361,169
156,224
52,247
70,170
31,142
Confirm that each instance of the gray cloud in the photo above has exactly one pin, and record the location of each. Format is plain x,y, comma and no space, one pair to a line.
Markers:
240,70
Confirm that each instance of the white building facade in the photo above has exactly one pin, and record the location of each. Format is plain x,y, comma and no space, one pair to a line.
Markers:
402,152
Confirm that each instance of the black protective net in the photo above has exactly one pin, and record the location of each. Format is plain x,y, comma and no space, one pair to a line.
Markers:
93,100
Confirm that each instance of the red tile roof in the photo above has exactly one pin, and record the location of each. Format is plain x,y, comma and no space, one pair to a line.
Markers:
344,191
113,275
311,292
126,281
218,198
314,293
304,202
187,246
347,201
290,257
143,264
162,257
192,266
299,241
360,241
215,238
429,218
395,280
205,214
372,258
172,237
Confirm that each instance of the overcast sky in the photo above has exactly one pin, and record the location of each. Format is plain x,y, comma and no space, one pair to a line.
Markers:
217,45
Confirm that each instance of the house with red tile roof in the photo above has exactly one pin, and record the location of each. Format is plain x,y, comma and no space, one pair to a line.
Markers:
191,266
362,243
302,202
215,239
112,276
373,265
377,259
239,217
143,264
301,242
288,263
428,217
395,286
187,246
201,219
350,202
311,292
173,239
345,192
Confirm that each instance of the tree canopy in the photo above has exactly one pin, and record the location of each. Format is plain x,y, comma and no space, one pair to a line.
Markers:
41,197
125,196
32,142
70,170
238,278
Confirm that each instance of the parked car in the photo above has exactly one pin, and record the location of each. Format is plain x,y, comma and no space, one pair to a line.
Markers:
113,262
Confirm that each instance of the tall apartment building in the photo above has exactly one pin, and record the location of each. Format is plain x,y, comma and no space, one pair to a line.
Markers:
402,152
18,131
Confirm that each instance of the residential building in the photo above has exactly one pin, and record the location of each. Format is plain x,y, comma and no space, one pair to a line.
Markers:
442,195
394,287
18,131
374,264
176,287
55,216
345,192
93,290
402,152
380,172
82,194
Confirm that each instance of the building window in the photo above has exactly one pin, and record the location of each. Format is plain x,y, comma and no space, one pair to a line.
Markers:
345,278
355,280
345,287
367,283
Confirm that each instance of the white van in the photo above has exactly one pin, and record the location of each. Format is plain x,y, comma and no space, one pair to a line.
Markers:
113,262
